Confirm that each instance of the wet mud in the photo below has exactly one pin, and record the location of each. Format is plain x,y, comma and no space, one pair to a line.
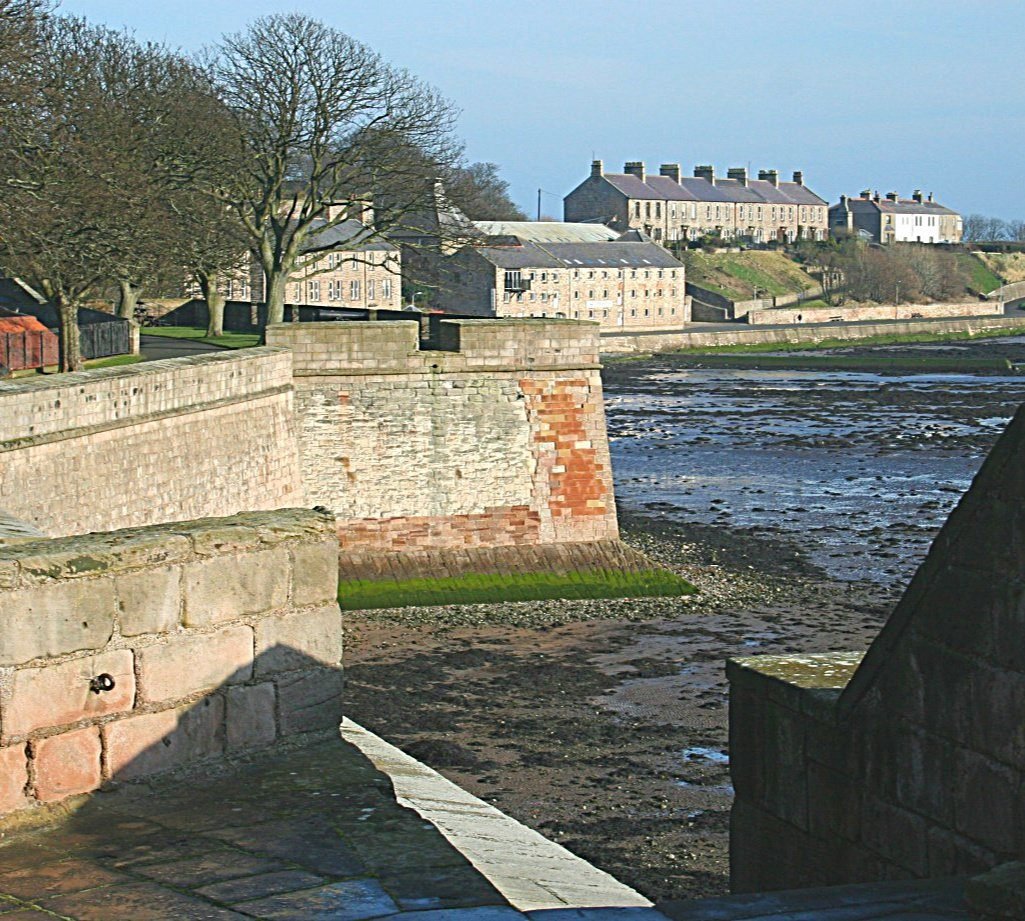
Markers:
799,504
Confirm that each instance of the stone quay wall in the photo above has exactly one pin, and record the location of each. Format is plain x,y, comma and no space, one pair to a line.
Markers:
799,314
217,636
496,437
693,337
149,443
909,762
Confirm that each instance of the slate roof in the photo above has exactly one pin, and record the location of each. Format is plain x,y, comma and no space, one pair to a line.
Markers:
547,231
694,188
340,235
613,255
861,205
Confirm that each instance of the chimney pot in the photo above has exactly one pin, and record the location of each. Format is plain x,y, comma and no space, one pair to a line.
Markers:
634,168
597,169
799,176
866,193
671,170
739,173
891,196
769,175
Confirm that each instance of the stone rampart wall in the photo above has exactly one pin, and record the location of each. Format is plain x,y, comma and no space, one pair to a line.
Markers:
219,636
800,314
691,338
496,438
162,441
911,764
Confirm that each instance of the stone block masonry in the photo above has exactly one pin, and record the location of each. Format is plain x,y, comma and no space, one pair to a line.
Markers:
149,443
494,439
186,672
909,762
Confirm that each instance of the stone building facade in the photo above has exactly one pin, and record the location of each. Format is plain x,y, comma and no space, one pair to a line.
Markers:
891,219
671,207
628,283
361,275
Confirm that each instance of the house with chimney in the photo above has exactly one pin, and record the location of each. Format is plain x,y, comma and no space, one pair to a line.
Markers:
672,207
891,219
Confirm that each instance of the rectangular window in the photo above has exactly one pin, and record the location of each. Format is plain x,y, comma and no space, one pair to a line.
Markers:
370,289
386,289
513,282
313,290
354,290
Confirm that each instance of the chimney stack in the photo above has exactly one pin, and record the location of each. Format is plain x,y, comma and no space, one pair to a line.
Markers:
875,197
891,196
799,177
930,196
705,172
770,175
597,169
634,168
917,195
671,170
739,173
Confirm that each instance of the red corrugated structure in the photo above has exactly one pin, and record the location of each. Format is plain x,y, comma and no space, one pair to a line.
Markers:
25,342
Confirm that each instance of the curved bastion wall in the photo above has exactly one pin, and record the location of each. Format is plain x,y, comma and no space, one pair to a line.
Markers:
490,436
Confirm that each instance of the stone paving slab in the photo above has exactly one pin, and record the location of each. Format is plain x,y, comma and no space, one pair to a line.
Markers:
347,830
903,900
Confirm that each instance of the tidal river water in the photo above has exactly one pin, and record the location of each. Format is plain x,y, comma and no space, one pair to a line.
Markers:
856,470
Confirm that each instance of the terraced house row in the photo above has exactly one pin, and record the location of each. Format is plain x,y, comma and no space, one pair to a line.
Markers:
670,207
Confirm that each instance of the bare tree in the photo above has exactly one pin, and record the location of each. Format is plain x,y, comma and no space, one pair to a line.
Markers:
87,166
481,194
327,124
1016,230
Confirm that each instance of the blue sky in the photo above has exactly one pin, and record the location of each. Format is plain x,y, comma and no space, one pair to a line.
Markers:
886,94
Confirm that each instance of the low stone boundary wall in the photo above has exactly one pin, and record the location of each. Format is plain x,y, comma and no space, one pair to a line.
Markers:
134,652
799,314
690,338
910,763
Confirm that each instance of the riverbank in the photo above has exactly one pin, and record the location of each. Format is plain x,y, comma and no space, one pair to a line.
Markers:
603,724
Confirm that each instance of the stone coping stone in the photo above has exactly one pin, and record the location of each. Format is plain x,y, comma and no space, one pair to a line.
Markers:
50,559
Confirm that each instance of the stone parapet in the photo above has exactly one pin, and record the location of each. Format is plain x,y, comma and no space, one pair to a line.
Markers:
137,651
153,442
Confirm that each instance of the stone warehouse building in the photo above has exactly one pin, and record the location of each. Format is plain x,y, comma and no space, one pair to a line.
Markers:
574,271
671,207
891,219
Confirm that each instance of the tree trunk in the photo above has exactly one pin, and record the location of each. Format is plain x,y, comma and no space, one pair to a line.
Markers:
276,282
70,345
208,284
129,299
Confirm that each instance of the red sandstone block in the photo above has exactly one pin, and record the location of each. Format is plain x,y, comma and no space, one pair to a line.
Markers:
67,764
155,742
13,777
187,664
58,695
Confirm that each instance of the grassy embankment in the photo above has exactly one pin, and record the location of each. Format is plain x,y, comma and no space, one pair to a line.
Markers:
491,588
738,275
198,334
982,274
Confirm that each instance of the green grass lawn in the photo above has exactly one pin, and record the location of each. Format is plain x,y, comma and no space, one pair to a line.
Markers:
490,588
198,333
982,279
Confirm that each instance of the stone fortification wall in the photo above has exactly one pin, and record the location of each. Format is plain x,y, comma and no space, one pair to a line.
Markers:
495,438
693,337
801,314
219,636
911,763
162,441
